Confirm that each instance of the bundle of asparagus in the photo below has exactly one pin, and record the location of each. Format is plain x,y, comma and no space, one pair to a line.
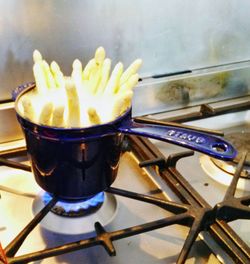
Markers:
90,96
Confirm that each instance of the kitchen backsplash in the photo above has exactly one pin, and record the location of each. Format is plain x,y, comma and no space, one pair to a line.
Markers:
168,35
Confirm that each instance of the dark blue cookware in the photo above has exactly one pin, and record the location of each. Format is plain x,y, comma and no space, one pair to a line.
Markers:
77,163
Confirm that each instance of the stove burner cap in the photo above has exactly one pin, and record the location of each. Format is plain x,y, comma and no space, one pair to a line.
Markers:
241,141
75,209
220,175
223,171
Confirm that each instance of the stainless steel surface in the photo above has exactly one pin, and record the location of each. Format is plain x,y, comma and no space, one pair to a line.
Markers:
168,35
205,85
234,119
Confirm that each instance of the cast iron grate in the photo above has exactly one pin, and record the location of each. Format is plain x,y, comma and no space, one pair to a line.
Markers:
214,219
193,212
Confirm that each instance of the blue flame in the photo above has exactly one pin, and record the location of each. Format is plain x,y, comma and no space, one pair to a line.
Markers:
76,206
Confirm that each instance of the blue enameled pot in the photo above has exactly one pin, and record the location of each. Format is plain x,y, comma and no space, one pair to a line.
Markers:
77,163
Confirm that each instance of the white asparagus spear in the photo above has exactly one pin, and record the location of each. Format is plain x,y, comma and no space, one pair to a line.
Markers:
77,73
57,74
87,75
46,114
82,89
48,75
121,104
113,83
94,74
132,69
93,116
39,73
73,105
77,70
41,85
42,71
88,68
28,108
130,83
37,56
93,63
94,81
104,76
99,56
58,116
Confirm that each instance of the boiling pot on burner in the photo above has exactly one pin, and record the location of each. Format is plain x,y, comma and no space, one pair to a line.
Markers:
77,163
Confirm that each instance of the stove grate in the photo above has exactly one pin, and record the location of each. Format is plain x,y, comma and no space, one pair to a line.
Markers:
214,219
193,212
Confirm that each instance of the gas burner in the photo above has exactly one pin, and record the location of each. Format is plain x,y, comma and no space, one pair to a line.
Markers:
222,171
76,209
222,176
230,167
76,225
241,141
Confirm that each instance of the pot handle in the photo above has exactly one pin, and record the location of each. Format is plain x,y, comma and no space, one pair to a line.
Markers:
208,144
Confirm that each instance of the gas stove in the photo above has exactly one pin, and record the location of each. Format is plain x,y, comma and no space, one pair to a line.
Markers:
164,207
